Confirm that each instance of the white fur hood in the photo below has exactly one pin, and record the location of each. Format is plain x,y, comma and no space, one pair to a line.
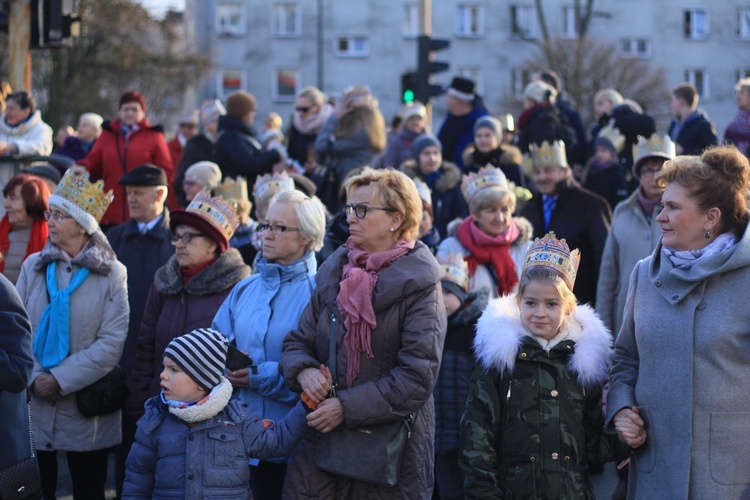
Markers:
500,335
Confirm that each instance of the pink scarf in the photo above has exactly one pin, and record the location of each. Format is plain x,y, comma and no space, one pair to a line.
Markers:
358,281
311,124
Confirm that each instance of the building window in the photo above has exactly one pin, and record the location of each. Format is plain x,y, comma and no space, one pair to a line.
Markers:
743,23
229,81
519,78
411,21
699,78
354,46
285,84
230,19
639,48
696,24
286,20
570,22
469,21
523,21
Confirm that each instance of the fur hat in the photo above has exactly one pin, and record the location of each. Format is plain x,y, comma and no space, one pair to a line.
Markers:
204,173
413,109
462,88
202,354
133,96
424,141
539,92
490,123
240,103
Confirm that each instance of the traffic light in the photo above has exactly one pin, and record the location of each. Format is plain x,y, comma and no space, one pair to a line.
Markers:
408,87
53,22
426,67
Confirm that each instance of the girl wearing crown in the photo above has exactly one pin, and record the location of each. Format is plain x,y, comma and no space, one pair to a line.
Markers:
533,424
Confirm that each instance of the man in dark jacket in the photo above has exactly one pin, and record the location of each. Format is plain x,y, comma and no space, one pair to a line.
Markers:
143,245
570,117
691,129
465,107
573,213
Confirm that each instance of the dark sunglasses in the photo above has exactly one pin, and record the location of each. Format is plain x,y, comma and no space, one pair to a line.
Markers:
303,109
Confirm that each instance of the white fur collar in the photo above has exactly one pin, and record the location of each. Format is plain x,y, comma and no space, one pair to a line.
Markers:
218,399
500,335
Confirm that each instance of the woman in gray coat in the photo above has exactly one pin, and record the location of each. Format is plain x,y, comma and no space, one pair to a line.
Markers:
681,367
380,296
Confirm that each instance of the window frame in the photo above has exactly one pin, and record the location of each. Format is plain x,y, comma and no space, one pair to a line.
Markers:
704,89
689,31
460,28
739,32
529,16
410,13
569,11
220,89
519,78
632,52
278,97
276,22
349,53
241,29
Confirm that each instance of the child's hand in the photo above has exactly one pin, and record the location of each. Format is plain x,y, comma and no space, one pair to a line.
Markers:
630,427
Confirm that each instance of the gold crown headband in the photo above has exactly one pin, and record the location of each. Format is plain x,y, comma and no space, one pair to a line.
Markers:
233,189
548,155
455,268
554,255
216,210
653,146
485,177
281,182
89,197
614,136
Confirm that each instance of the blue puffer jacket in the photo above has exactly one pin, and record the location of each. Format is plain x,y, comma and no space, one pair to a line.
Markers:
170,459
258,314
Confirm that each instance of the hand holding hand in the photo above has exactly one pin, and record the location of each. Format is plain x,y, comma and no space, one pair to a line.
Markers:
314,383
328,416
46,386
630,427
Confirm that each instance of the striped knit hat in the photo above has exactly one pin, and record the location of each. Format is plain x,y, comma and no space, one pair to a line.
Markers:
202,354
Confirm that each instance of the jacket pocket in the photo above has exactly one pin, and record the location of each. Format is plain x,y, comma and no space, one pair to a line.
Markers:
225,447
728,454
645,461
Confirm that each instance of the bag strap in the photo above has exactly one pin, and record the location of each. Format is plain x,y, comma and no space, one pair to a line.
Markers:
332,354
31,432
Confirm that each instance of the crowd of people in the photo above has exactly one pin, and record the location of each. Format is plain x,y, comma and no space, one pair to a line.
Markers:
523,295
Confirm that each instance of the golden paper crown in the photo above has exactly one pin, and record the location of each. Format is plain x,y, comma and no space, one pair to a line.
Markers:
548,155
653,146
216,210
485,177
278,182
554,255
232,189
456,269
89,197
613,135
424,191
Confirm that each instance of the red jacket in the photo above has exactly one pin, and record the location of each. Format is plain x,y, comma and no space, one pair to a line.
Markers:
175,150
112,157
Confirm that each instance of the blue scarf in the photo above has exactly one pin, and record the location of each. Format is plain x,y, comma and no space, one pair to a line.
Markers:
52,339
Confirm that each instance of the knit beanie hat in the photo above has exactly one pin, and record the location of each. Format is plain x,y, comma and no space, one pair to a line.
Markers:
206,173
240,103
491,123
413,109
539,92
424,141
605,143
202,354
133,96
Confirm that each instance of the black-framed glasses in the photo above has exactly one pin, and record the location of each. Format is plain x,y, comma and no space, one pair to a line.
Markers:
303,109
185,237
56,216
361,210
649,172
276,228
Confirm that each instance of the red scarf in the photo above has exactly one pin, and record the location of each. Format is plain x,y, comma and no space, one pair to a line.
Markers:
490,249
189,272
37,238
358,280
523,120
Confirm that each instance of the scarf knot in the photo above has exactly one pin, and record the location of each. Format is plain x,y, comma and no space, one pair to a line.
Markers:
494,250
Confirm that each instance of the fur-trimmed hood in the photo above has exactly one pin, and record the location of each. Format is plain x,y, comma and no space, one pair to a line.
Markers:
97,256
500,335
502,155
526,230
221,275
450,174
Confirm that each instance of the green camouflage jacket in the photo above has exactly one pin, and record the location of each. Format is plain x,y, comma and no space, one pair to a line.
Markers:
533,423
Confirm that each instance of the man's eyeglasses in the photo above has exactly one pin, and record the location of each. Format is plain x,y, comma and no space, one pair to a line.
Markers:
361,210
649,172
56,216
303,109
185,237
275,228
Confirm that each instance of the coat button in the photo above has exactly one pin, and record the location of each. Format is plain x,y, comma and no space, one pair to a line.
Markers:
49,446
191,437
68,268
657,283
701,306
223,437
555,456
675,297
554,394
523,354
190,476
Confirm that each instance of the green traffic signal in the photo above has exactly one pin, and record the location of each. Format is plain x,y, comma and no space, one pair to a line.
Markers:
408,96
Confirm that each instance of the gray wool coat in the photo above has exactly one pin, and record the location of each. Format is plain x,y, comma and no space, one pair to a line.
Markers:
683,358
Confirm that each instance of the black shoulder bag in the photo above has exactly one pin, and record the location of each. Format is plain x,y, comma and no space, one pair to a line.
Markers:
22,480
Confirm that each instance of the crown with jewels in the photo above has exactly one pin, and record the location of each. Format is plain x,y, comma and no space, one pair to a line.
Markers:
89,197
485,177
456,269
613,135
278,182
232,189
216,210
554,255
548,155
653,146
424,191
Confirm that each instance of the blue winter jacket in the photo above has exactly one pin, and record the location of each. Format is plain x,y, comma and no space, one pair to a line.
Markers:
170,459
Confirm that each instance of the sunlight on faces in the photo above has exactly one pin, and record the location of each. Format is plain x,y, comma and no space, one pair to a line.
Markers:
547,177
683,224
287,247
493,220
177,385
14,114
86,131
542,309
131,113
415,124
372,234
15,207
66,232
425,225
603,155
191,189
485,140
199,250
602,107
430,159
647,177
743,98
145,202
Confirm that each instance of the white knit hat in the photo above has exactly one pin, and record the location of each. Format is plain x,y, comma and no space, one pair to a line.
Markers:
206,173
202,354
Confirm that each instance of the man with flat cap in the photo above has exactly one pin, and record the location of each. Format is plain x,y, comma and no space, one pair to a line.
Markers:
143,245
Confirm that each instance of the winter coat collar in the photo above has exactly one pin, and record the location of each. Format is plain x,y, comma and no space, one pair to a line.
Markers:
115,126
500,335
522,223
32,121
97,256
159,232
503,155
450,176
217,401
229,123
223,274
302,267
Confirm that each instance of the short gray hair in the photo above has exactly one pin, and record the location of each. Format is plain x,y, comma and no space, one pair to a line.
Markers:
93,119
312,219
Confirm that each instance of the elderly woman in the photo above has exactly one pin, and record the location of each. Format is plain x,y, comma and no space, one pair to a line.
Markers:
79,145
380,296
201,176
187,290
493,242
75,291
311,111
22,131
23,229
263,308
681,365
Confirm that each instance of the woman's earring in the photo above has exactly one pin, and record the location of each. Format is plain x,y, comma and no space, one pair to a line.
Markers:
707,235
391,229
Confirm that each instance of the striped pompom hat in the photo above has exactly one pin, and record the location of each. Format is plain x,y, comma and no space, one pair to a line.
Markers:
202,354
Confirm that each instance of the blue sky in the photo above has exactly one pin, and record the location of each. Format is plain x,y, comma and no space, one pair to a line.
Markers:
159,7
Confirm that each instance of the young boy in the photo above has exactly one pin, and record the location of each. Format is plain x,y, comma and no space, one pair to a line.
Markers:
194,442
603,173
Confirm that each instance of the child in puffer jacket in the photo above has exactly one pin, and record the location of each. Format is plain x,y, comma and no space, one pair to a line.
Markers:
194,441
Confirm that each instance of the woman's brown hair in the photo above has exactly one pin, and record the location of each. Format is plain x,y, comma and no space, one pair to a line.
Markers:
364,118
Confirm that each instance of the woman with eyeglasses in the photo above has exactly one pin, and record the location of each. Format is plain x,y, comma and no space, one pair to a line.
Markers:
379,295
311,110
262,309
187,290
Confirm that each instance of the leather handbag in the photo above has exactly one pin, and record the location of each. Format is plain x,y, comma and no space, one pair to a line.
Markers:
105,396
22,480
372,453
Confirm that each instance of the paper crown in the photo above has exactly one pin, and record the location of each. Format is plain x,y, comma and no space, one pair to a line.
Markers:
277,182
216,211
653,146
613,135
456,269
89,197
546,154
233,189
424,191
485,177
554,255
